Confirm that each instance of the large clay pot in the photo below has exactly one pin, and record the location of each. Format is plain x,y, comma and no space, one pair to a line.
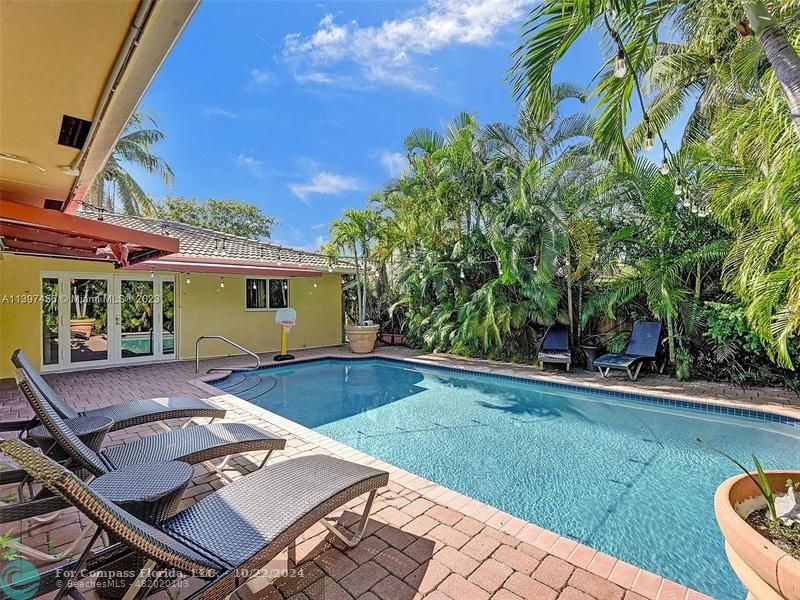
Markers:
361,337
81,327
767,572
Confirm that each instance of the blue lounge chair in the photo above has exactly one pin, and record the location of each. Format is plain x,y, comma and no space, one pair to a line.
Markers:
641,349
555,346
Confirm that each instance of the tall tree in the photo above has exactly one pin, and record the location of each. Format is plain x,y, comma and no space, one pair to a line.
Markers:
717,33
236,217
115,188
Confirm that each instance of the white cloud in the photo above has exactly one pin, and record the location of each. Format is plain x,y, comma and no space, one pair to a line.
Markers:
386,53
393,162
319,226
252,164
325,183
213,111
259,79
313,77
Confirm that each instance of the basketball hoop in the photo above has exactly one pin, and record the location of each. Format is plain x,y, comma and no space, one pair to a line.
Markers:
286,318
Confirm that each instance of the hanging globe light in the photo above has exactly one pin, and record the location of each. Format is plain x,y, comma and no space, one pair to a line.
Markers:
620,68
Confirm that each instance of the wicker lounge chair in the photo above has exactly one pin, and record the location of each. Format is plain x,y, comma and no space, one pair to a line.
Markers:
555,346
642,349
124,414
194,444
224,538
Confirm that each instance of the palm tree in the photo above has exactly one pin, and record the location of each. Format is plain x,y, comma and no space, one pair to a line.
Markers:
660,254
115,185
718,36
357,232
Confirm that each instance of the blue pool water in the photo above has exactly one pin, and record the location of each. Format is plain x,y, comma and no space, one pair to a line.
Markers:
620,475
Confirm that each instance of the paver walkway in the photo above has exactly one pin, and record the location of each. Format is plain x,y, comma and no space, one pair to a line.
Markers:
423,540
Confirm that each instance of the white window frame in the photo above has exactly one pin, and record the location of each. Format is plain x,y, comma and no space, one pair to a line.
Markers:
247,283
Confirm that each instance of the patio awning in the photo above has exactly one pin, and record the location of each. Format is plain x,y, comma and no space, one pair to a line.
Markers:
225,266
26,229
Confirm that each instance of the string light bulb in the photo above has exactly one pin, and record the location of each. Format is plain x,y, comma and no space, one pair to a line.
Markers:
152,275
315,282
188,279
221,282
461,275
678,190
649,141
330,269
664,168
620,68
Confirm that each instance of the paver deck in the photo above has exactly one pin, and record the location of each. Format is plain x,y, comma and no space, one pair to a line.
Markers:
424,541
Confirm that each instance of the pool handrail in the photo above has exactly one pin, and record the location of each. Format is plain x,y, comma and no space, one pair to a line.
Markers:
227,341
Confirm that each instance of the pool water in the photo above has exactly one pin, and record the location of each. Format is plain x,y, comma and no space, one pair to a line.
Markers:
622,476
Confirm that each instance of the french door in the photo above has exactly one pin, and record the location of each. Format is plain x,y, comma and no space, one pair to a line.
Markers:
95,320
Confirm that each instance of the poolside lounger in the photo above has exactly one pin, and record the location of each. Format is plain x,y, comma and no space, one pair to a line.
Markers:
223,539
194,444
124,414
555,346
641,349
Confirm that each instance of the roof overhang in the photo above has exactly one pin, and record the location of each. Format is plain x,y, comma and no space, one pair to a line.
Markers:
85,59
217,266
26,229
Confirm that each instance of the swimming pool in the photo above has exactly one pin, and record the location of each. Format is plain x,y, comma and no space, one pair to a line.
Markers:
622,475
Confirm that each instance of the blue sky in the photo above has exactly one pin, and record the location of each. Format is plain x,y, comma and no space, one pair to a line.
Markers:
302,107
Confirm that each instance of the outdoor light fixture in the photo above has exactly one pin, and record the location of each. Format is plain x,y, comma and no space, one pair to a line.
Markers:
330,269
254,284
664,169
620,69
461,275
188,279
678,189
152,274
315,282
221,282
648,141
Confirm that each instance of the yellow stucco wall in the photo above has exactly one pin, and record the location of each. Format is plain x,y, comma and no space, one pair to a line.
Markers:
203,309
207,309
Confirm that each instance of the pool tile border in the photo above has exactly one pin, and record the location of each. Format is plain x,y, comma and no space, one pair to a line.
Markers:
706,406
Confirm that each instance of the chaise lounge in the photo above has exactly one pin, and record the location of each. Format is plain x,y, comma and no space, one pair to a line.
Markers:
223,539
124,414
642,349
555,347
195,444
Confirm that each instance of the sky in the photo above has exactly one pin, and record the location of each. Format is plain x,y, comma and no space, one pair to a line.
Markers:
302,107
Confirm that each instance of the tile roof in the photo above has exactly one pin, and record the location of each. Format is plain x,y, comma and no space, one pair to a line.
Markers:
199,242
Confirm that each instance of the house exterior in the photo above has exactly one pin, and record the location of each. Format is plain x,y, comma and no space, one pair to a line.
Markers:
75,314
83,290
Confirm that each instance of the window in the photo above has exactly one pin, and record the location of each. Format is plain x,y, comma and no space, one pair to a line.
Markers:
267,294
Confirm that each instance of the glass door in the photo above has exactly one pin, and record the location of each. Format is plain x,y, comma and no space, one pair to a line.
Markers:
89,311
144,320
90,320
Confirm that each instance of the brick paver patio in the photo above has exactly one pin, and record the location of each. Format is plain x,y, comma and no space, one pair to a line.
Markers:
423,540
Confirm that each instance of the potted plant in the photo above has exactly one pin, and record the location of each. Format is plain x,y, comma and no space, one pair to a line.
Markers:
592,348
354,232
760,520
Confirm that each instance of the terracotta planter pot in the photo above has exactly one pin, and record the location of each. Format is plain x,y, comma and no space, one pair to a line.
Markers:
82,327
362,338
767,572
